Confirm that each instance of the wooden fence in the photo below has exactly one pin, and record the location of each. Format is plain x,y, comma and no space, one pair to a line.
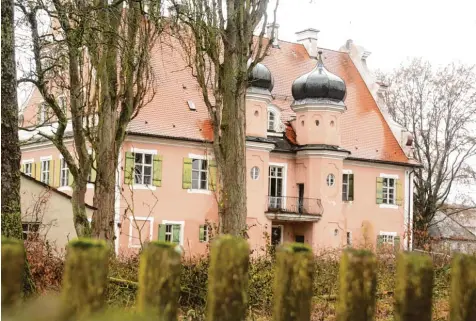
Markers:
86,270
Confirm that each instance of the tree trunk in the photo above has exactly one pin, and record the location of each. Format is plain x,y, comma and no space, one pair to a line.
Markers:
11,215
11,211
80,219
104,197
232,149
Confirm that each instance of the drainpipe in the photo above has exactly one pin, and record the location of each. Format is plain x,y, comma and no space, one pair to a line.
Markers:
410,205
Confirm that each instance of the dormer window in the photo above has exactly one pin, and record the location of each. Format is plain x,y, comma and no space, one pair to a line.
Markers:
271,121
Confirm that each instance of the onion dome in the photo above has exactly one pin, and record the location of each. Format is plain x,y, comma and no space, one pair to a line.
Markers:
319,84
260,77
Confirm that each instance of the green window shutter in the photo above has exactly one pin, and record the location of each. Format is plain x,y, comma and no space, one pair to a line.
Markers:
187,173
129,169
379,241
93,168
212,170
157,167
176,233
22,168
379,190
70,178
162,232
51,169
57,170
396,243
399,192
201,234
351,187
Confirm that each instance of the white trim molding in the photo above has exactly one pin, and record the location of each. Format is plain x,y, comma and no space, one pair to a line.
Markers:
182,228
346,171
46,158
144,151
395,176
28,161
142,219
260,146
322,153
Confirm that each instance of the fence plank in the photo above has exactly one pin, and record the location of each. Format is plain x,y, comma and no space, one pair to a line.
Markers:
358,283
228,279
293,283
463,288
159,281
414,286
84,277
13,260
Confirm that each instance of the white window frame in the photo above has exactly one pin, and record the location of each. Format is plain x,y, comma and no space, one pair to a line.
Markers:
141,219
90,185
29,224
144,151
43,159
394,205
182,228
58,101
62,171
201,157
30,162
285,179
281,226
43,112
348,237
277,119
389,234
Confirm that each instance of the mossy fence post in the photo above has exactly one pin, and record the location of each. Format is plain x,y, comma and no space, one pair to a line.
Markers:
84,278
293,283
414,287
227,296
159,281
13,260
357,286
463,288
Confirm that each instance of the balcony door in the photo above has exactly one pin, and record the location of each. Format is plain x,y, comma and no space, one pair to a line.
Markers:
275,187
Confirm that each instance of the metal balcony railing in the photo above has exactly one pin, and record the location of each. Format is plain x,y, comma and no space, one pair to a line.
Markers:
294,205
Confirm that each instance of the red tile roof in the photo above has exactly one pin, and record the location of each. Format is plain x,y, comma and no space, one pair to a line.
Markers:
365,133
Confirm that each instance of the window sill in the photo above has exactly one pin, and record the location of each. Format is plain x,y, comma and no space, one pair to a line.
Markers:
348,202
393,206
65,189
140,186
199,191
90,185
134,246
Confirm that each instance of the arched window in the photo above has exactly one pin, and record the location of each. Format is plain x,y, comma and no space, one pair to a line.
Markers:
271,121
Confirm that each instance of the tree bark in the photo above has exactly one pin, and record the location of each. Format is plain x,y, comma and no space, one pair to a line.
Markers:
232,149
11,209
11,215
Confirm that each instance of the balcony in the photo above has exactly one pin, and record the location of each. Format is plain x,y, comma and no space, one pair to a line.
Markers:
293,209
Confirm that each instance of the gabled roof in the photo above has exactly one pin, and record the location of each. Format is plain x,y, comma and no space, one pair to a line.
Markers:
447,227
364,131
51,188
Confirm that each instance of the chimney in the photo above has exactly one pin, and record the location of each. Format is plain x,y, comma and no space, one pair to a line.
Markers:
273,34
308,38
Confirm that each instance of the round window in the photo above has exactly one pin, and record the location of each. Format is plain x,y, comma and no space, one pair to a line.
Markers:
331,180
255,173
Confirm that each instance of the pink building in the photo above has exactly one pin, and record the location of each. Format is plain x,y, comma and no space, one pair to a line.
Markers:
324,166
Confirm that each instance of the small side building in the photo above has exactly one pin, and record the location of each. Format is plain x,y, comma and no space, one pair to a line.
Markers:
454,231
47,212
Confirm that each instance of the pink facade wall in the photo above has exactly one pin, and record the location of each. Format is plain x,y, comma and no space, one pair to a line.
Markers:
363,217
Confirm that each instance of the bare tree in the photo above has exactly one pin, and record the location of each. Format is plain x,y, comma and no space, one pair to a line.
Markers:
438,105
11,210
97,53
218,40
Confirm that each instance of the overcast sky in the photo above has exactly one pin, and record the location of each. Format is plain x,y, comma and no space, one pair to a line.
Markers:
441,31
